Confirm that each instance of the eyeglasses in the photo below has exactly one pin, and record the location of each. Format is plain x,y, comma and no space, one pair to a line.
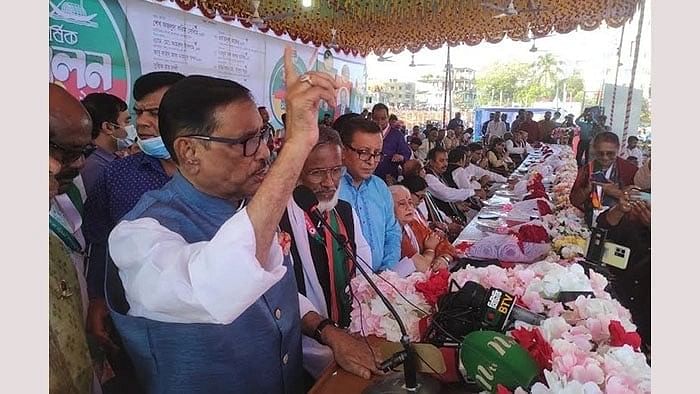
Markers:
318,175
250,144
70,155
605,154
366,155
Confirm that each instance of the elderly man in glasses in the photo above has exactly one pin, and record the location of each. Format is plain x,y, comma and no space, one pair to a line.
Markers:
70,142
603,181
368,194
210,298
322,268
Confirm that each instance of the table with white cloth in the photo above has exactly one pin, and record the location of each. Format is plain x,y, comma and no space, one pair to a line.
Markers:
586,343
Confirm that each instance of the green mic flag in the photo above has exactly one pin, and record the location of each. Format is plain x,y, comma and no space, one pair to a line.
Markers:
491,358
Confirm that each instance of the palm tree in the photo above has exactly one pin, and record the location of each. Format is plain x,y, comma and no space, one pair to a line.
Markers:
547,70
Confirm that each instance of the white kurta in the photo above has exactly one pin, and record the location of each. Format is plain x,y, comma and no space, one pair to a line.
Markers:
167,279
318,356
445,193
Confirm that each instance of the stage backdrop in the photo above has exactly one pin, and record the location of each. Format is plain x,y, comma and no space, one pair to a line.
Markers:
104,45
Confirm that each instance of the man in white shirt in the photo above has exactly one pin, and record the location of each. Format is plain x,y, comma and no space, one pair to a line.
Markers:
515,147
632,152
471,175
496,127
205,248
449,199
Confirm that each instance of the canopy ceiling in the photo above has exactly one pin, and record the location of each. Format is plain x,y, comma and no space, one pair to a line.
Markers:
378,26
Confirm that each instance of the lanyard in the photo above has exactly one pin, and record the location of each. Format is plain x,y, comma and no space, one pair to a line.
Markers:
597,195
65,235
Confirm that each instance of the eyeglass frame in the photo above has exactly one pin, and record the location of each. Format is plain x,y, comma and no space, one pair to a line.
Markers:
84,152
324,172
378,156
234,141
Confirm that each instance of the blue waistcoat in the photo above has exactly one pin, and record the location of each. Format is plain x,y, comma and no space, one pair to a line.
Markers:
256,353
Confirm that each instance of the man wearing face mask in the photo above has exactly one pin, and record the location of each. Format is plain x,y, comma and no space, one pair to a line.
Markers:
111,132
119,188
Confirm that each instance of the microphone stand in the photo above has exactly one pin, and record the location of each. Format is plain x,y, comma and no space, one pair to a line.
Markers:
410,372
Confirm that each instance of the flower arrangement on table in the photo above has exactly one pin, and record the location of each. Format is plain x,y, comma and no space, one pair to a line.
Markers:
535,187
568,231
587,343
370,316
563,135
524,243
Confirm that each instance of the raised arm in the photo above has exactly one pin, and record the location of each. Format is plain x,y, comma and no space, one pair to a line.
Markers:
302,99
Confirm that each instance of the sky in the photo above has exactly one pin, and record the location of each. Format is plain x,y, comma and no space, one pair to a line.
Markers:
592,52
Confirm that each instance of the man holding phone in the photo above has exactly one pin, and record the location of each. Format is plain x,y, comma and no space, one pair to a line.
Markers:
601,183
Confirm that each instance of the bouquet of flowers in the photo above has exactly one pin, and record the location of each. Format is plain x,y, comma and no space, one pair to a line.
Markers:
523,244
563,135
535,187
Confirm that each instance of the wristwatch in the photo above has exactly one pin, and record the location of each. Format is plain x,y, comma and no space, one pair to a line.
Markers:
320,327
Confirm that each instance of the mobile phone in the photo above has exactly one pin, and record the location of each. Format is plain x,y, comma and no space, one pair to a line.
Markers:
616,255
599,177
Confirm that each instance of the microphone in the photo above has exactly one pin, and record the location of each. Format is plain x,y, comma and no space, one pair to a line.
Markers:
500,311
308,202
473,308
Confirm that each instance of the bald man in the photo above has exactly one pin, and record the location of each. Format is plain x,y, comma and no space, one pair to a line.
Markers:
69,140
69,135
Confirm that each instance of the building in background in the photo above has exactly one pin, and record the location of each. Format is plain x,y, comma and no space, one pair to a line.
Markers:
395,94
430,90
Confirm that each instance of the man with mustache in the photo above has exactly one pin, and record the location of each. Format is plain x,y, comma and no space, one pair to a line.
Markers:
322,268
70,142
448,197
602,182
395,150
210,299
70,365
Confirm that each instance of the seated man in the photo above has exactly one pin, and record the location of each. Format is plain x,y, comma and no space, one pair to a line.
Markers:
321,267
424,248
413,168
368,194
210,287
471,174
449,199
602,181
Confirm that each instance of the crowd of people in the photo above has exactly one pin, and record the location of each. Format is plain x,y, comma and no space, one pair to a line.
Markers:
181,262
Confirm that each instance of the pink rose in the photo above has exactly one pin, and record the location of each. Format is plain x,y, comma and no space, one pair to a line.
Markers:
590,371
533,301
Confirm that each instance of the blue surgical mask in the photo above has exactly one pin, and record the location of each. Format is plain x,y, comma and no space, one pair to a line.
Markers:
154,147
130,139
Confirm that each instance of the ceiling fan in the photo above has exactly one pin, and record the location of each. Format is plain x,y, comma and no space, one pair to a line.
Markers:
385,59
260,22
413,63
333,44
510,9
